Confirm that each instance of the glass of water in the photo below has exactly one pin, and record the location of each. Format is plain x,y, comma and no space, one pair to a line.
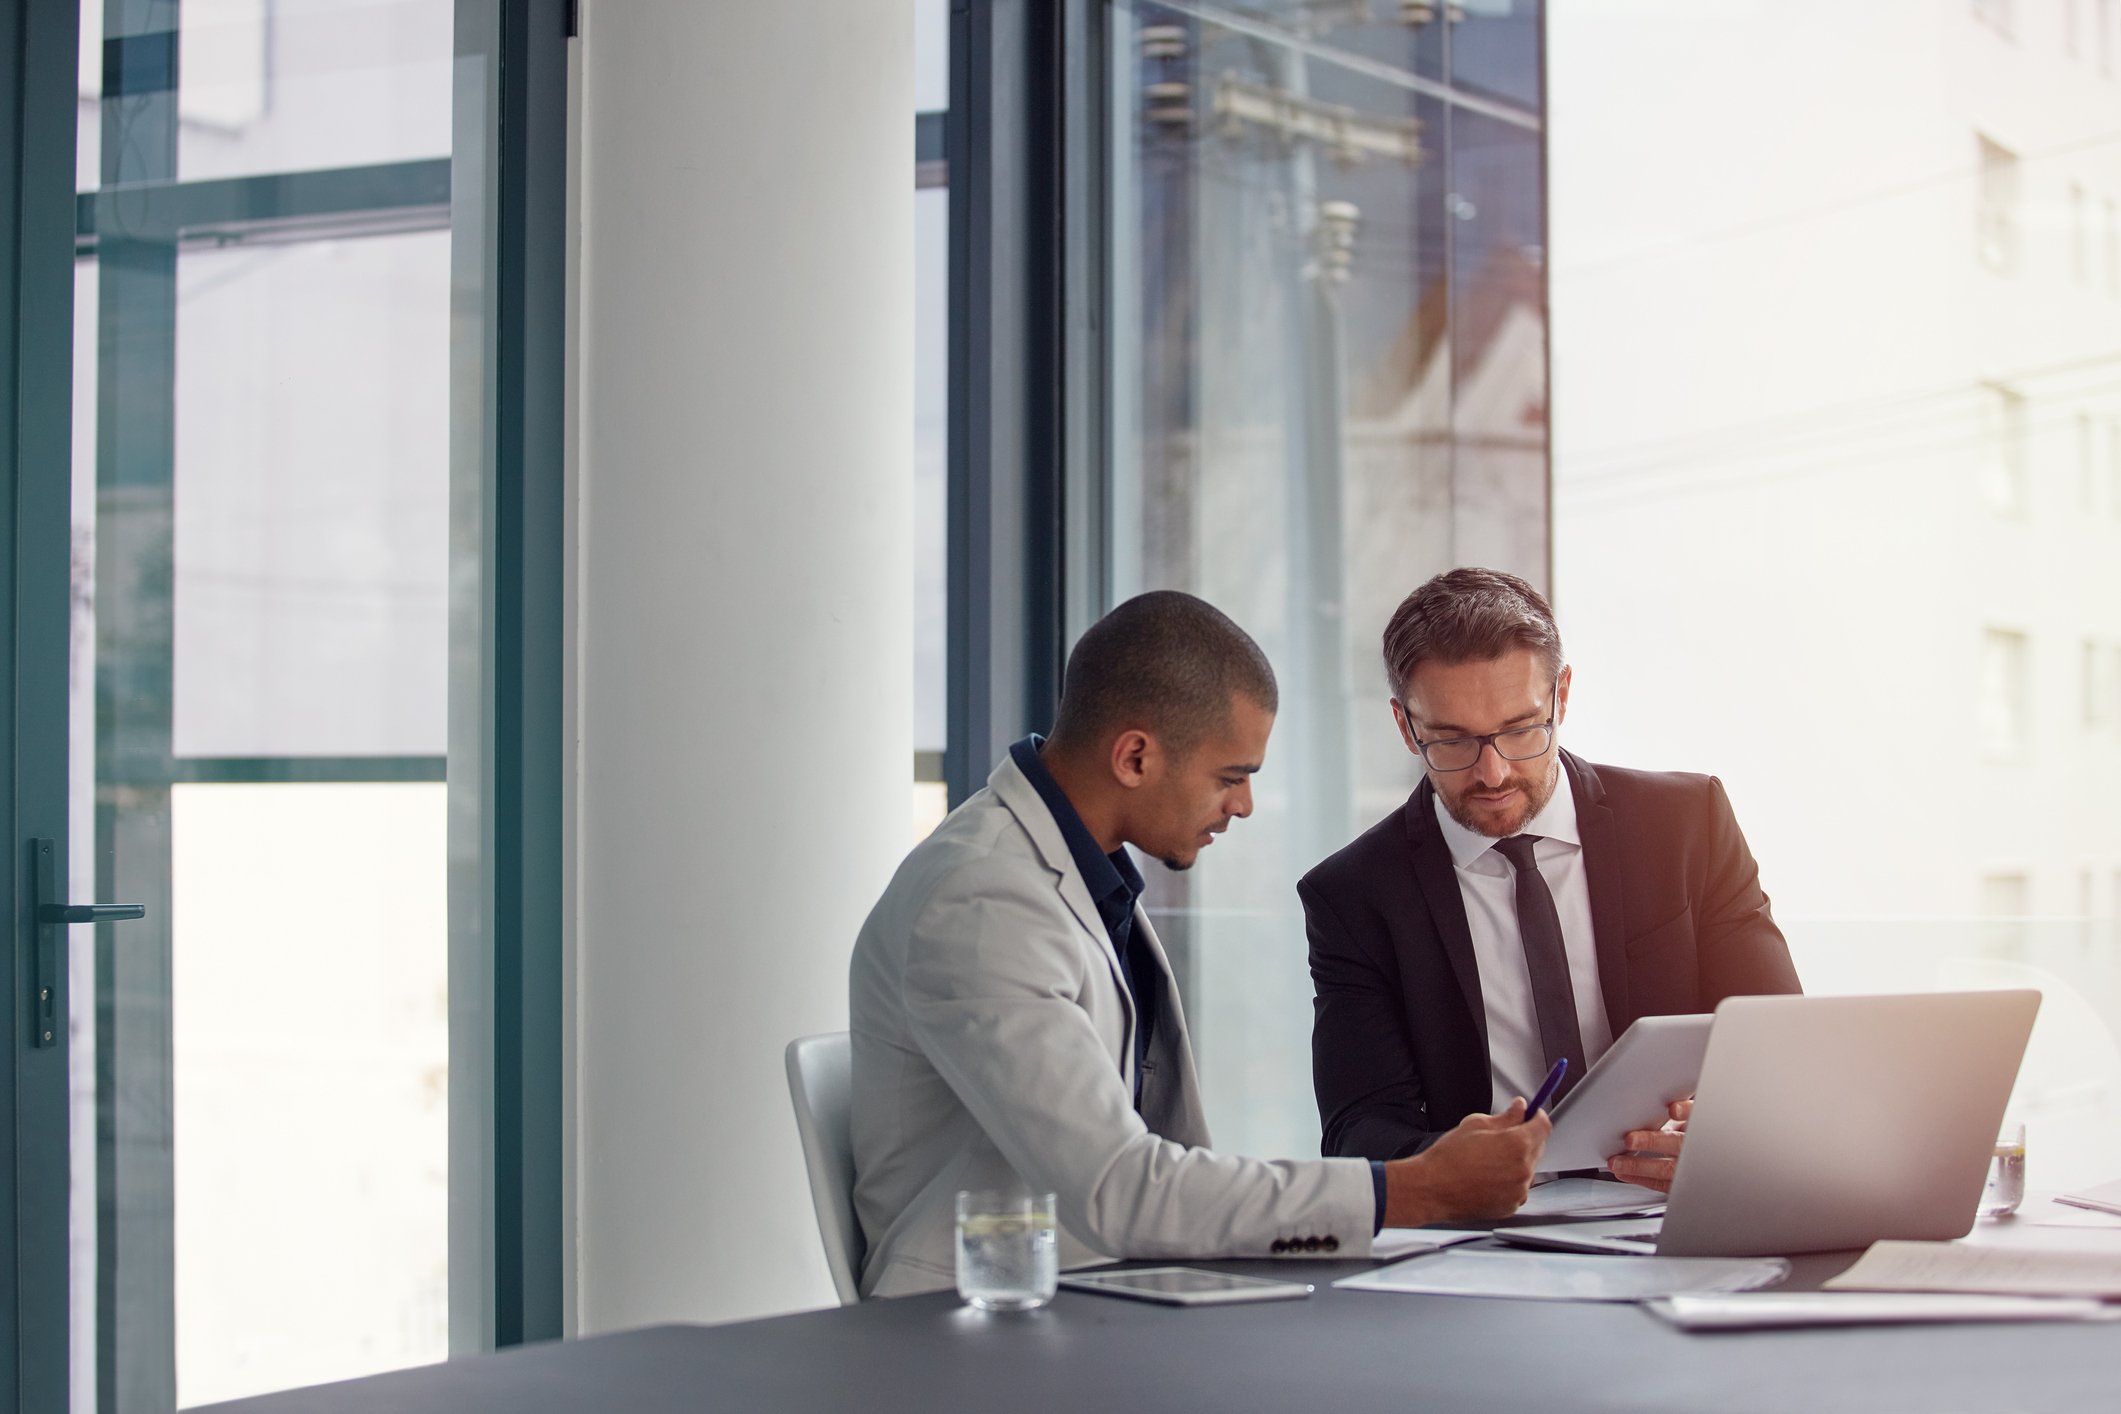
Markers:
2006,1174
1007,1256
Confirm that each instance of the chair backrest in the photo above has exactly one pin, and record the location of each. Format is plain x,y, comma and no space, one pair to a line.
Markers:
820,1075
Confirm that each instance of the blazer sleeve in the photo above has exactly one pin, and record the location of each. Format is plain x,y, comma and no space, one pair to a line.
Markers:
1370,1101
992,985
1739,949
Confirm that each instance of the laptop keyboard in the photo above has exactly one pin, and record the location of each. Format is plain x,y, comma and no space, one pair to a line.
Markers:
1650,1236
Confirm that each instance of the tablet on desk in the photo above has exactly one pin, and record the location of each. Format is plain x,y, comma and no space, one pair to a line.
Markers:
1185,1286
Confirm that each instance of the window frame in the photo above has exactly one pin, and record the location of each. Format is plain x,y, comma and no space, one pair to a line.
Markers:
38,64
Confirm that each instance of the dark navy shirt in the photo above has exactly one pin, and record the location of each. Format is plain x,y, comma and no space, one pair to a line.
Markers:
1114,886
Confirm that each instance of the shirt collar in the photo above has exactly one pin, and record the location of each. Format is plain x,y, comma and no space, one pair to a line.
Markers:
1101,872
1556,820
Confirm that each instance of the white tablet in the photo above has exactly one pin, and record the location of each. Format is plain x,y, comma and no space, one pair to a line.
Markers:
1656,1061
1185,1286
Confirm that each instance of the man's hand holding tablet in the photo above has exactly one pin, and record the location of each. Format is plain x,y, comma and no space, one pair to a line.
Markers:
1652,1155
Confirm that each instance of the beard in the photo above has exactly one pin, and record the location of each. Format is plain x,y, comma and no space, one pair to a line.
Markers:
1537,792
1177,866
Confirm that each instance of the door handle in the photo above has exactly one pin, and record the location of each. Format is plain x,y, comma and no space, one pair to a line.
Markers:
50,916
89,912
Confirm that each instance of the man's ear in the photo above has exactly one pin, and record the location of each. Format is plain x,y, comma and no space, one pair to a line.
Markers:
1561,694
1134,758
1401,720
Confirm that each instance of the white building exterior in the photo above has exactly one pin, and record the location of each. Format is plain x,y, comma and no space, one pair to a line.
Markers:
1837,384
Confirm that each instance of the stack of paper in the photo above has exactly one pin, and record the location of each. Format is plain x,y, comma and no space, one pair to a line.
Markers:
1980,1267
1819,1308
1395,1242
1557,1277
1590,1198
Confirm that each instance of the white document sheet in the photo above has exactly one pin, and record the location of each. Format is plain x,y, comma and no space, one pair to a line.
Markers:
1590,1198
2105,1198
1544,1276
1981,1267
2039,1210
1769,1309
1396,1242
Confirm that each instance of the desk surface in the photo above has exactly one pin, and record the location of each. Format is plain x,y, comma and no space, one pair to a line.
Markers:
1340,1349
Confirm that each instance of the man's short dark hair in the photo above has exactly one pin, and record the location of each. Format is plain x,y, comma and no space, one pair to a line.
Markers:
1469,616
1165,663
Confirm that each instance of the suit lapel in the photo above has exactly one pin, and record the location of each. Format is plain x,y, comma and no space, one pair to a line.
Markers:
1025,803
1601,869
1447,906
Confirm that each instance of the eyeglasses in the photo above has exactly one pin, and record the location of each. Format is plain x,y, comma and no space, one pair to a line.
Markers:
1462,753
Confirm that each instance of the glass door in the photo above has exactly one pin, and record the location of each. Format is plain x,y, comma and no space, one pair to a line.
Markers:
261,502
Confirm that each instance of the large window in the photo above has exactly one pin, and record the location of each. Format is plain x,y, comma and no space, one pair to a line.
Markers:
1834,478
1834,510
1326,382
261,1158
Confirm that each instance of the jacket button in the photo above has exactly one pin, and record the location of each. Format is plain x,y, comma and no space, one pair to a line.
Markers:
1310,1244
1279,1247
1331,1244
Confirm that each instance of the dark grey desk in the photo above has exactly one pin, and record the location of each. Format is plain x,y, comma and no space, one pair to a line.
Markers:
1339,1351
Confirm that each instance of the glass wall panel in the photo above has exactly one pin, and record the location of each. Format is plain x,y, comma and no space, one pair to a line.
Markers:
1828,519
265,85
312,516
1328,382
268,85
261,495
931,475
309,1027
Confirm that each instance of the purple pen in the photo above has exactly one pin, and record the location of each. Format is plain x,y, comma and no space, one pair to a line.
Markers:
1546,1091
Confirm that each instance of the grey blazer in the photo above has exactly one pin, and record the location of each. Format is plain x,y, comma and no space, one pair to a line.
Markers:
993,1049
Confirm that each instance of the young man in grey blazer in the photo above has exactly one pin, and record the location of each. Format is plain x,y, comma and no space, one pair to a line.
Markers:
1013,1016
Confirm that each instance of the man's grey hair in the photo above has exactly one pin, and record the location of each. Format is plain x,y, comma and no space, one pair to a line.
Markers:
1469,616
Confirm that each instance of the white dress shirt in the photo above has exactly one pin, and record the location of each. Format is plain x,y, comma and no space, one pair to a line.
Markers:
1517,1061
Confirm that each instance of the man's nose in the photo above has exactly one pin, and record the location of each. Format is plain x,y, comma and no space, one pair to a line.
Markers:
1241,801
1491,768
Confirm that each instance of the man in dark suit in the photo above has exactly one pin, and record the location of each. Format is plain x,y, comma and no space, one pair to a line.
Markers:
1524,905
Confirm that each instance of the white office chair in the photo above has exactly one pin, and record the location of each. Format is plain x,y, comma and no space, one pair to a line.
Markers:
820,1073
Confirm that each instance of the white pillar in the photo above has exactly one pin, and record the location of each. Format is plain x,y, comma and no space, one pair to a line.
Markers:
743,611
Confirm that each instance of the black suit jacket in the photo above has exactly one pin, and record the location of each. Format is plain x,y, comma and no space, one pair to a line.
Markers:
1399,1040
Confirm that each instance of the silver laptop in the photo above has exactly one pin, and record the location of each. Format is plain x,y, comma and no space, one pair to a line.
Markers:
1828,1123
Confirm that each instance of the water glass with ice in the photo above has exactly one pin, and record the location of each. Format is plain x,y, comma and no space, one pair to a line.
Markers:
1007,1256
2006,1174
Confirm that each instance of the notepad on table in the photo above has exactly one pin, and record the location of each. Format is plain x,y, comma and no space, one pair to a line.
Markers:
1554,1276
1974,1267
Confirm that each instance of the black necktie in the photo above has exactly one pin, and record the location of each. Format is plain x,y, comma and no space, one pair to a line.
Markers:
1546,959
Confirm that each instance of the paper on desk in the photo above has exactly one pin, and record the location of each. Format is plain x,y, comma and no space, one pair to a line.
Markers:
1396,1242
1761,1310
1555,1276
2105,1198
2044,1212
1589,1198
1965,1266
